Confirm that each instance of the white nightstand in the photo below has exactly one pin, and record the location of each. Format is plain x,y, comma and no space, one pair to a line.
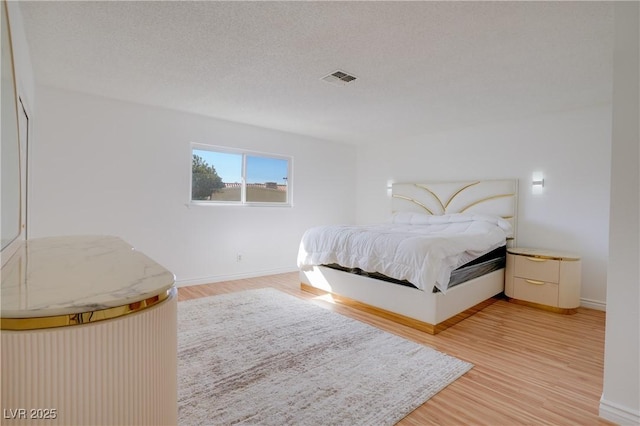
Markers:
543,279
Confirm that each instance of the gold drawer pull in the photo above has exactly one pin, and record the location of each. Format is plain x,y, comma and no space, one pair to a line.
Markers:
535,282
535,259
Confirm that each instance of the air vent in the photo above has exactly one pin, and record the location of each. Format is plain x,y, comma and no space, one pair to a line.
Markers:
339,78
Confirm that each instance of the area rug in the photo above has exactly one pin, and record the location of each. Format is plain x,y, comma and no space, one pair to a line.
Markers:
268,358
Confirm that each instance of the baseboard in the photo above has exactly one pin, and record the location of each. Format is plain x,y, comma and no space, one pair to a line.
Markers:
593,304
232,277
618,414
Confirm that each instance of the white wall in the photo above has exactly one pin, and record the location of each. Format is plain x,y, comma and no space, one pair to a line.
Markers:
621,392
101,166
571,148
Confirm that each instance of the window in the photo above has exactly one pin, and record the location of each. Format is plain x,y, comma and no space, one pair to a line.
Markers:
223,176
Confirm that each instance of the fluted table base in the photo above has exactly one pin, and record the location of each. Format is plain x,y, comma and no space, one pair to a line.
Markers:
114,372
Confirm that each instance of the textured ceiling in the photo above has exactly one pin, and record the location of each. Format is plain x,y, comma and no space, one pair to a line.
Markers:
422,67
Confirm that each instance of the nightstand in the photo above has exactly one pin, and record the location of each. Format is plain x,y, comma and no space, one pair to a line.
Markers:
543,279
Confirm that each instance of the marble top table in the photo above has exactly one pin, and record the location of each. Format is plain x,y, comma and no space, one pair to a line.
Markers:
60,276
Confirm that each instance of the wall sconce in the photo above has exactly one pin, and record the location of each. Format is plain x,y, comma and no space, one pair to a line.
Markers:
537,183
389,187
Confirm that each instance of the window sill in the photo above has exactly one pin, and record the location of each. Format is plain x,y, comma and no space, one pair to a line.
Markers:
227,204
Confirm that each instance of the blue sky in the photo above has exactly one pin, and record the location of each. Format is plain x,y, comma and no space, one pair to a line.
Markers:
259,169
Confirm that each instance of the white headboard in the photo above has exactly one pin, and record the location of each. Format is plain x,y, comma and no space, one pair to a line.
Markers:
494,197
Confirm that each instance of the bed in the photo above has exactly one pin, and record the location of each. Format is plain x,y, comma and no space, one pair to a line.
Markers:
428,304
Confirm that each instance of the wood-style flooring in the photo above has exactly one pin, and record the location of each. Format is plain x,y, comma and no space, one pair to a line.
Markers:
531,367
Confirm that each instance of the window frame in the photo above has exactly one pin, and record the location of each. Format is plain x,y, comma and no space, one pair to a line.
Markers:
243,191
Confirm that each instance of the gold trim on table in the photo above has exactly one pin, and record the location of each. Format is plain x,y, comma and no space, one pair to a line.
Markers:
542,255
67,320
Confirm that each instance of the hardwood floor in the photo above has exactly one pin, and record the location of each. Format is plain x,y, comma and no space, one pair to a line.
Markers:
531,367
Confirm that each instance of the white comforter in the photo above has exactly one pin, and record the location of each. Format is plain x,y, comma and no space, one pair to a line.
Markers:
421,249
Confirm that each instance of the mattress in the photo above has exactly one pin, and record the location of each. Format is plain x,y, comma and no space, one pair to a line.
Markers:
485,264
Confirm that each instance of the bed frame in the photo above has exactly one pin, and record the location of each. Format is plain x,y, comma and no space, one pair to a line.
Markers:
424,310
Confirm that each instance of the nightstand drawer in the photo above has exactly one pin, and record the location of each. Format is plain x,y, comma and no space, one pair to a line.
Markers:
535,291
537,269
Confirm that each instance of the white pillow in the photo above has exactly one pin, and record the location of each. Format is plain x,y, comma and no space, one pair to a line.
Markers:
411,218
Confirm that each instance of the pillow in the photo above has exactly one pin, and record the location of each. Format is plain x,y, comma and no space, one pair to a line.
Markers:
411,218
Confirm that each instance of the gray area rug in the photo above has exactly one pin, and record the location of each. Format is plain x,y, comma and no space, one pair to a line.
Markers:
265,357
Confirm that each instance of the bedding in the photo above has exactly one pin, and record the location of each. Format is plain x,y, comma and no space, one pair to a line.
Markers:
419,248
487,263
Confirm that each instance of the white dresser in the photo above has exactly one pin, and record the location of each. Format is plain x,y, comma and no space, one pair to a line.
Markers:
544,279
89,335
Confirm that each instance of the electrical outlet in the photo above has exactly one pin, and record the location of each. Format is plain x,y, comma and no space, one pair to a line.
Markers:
239,257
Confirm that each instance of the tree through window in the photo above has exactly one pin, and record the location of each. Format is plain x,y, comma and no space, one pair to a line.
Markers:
230,176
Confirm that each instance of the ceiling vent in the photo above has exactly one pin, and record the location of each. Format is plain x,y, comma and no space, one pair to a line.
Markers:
339,78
